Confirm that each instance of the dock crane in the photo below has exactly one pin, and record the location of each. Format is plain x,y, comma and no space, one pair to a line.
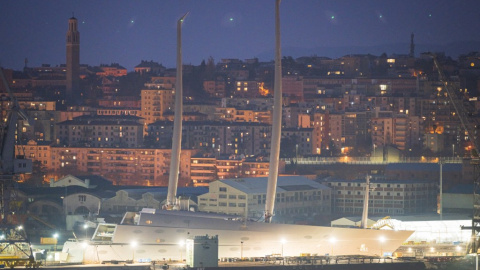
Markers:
469,125
15,248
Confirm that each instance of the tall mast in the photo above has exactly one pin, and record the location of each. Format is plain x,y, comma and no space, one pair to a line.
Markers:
365,203
177,123
277,122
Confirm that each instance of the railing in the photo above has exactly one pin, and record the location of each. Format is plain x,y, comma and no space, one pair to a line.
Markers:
368,160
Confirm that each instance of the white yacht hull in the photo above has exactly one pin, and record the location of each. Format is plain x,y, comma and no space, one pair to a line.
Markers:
160,237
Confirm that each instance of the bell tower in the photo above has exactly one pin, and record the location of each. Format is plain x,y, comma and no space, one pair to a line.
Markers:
73,61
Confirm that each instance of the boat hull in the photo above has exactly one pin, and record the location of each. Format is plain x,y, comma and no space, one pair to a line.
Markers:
162,237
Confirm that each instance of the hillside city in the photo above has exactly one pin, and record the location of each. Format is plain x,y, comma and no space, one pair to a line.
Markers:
120,127
109,131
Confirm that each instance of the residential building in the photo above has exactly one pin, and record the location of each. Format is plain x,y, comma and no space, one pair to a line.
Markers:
215,88
114,70
155,101
387,197
301,138
122,166
230,138
244,88
149,67
101,131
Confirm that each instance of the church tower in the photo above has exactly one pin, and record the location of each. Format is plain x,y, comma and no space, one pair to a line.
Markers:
73,61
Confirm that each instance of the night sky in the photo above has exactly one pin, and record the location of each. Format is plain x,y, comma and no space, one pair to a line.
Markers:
126,31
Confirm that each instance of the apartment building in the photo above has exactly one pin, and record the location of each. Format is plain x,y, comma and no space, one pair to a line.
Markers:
157,98
215,88
229,167
206,168
292,86
203,169
122,166
244,88
302,139
387,197
101,131
114,70
400,130
230,138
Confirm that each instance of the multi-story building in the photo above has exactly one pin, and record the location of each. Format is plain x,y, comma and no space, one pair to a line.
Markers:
401,130
356,129
125,166
301,138
230,167
225,114
245,88
206,168
319,123
387,197
258,167
435,142
230,138
149,67
231,114
118,111
292,86
101,131
215,88
203,169
406,132
452,173
39,151
114,70
336,129
120,102
382,131
296,195
157,98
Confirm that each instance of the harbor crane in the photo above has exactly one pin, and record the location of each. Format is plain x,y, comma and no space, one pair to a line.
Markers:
469,125
15,248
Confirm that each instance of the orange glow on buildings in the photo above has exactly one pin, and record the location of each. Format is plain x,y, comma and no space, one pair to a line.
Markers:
262,90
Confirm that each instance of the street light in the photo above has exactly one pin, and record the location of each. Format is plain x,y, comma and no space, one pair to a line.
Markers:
382,240
332,240
181,244
283,241
133,244
241,250
84,246
55,235
85,227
